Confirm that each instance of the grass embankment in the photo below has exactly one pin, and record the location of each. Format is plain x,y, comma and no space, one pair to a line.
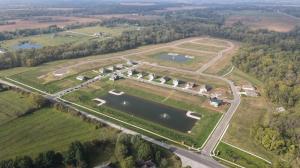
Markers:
239,157
29,78
13,104
202,47
199,133
46,129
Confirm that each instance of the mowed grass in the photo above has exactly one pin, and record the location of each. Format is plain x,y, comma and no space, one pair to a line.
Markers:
12,105
62,38
199,133
201,47
46,129
199,59
212,41
239,157
31,78
113,31
45,40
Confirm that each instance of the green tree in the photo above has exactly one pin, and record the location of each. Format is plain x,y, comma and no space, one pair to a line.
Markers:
127,162
23,162
144,151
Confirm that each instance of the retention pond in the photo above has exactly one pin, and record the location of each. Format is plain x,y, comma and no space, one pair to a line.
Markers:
155,112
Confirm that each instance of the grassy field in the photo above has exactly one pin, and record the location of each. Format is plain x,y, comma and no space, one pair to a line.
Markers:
12,105
239,157
199,133
202,47
64,37
113,31
212,41
262,20
192,64
42,77
252,110
46,129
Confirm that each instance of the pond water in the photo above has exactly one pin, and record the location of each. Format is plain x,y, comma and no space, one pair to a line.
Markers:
175,57
27,45
155,112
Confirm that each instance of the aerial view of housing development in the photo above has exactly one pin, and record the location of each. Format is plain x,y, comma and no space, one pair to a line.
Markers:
149,84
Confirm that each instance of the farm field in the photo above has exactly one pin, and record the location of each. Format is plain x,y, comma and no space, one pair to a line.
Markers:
36,22
262,20
199,132
46,129
13,104
239,157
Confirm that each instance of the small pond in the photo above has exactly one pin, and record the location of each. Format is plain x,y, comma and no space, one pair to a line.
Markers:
155,112
175,57
27,45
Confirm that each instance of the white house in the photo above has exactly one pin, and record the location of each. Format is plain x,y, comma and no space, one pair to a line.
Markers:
119,66
189,85
111,68
162,80
129,62
114,77
175,82
130,72
102,70
215,102
2,51
81,78
139,76
248,87
151,76
204,89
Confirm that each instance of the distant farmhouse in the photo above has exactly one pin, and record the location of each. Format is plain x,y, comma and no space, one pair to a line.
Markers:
247,90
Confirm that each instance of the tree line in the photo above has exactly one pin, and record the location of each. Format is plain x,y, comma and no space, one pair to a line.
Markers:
129,151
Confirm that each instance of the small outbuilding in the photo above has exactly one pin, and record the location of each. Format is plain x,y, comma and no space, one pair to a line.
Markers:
151,76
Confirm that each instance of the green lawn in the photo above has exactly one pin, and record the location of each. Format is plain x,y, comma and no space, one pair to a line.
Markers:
61,38
12,105
239,157
31,78
199,133
202,47
113,31
46,129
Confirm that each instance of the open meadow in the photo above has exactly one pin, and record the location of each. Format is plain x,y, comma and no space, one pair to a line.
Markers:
74,36
13,104
46,129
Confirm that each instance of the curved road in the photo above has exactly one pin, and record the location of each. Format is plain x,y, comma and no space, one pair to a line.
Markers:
196,160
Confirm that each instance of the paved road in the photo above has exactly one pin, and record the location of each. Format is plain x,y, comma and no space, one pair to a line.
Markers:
221,127
196,160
